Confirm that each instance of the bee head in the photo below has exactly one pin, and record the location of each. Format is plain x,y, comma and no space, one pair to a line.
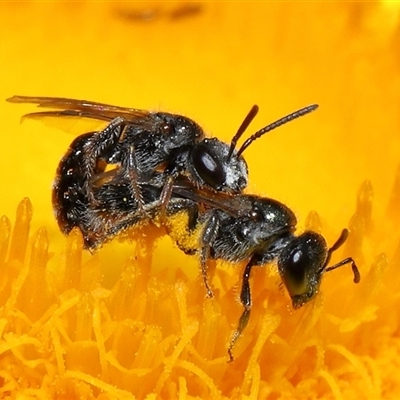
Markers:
304,260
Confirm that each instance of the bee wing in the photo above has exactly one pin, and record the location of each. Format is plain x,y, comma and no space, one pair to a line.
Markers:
82,108
235,205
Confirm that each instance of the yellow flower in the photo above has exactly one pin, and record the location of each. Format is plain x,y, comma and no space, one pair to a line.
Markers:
132,321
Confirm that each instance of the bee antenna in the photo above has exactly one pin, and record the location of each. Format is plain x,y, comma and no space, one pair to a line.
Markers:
246,122
276,124
342,238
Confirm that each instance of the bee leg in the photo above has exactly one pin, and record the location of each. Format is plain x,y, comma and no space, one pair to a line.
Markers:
124,223
98,149
102,145
129,171
165,196
245,299
171,174
207,239
193,217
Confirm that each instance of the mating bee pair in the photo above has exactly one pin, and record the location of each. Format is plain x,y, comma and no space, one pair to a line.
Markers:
144,164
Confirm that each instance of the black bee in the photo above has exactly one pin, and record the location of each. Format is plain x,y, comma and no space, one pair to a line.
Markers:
139,144
233,228
262,231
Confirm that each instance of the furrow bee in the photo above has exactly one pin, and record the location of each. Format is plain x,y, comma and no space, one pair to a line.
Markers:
261,231
139,144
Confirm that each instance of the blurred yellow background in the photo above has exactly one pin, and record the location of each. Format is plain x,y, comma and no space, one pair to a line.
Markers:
212,64
212,61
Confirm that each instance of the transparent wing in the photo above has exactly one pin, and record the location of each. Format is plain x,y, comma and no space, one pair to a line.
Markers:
235,205
82,108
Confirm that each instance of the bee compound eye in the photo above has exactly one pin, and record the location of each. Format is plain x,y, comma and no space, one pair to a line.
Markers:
296,265
294,270
208,167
